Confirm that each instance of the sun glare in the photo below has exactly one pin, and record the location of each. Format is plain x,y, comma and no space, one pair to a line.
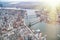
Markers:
52,3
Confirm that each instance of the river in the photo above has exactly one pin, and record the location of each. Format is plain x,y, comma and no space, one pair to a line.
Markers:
51,30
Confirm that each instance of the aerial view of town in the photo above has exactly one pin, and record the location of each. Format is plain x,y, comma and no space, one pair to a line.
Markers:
29,20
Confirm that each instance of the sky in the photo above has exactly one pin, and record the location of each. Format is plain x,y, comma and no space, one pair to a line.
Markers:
18,0
50,2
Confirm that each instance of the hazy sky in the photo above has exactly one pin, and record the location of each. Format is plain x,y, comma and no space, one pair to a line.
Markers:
18,0
49,2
